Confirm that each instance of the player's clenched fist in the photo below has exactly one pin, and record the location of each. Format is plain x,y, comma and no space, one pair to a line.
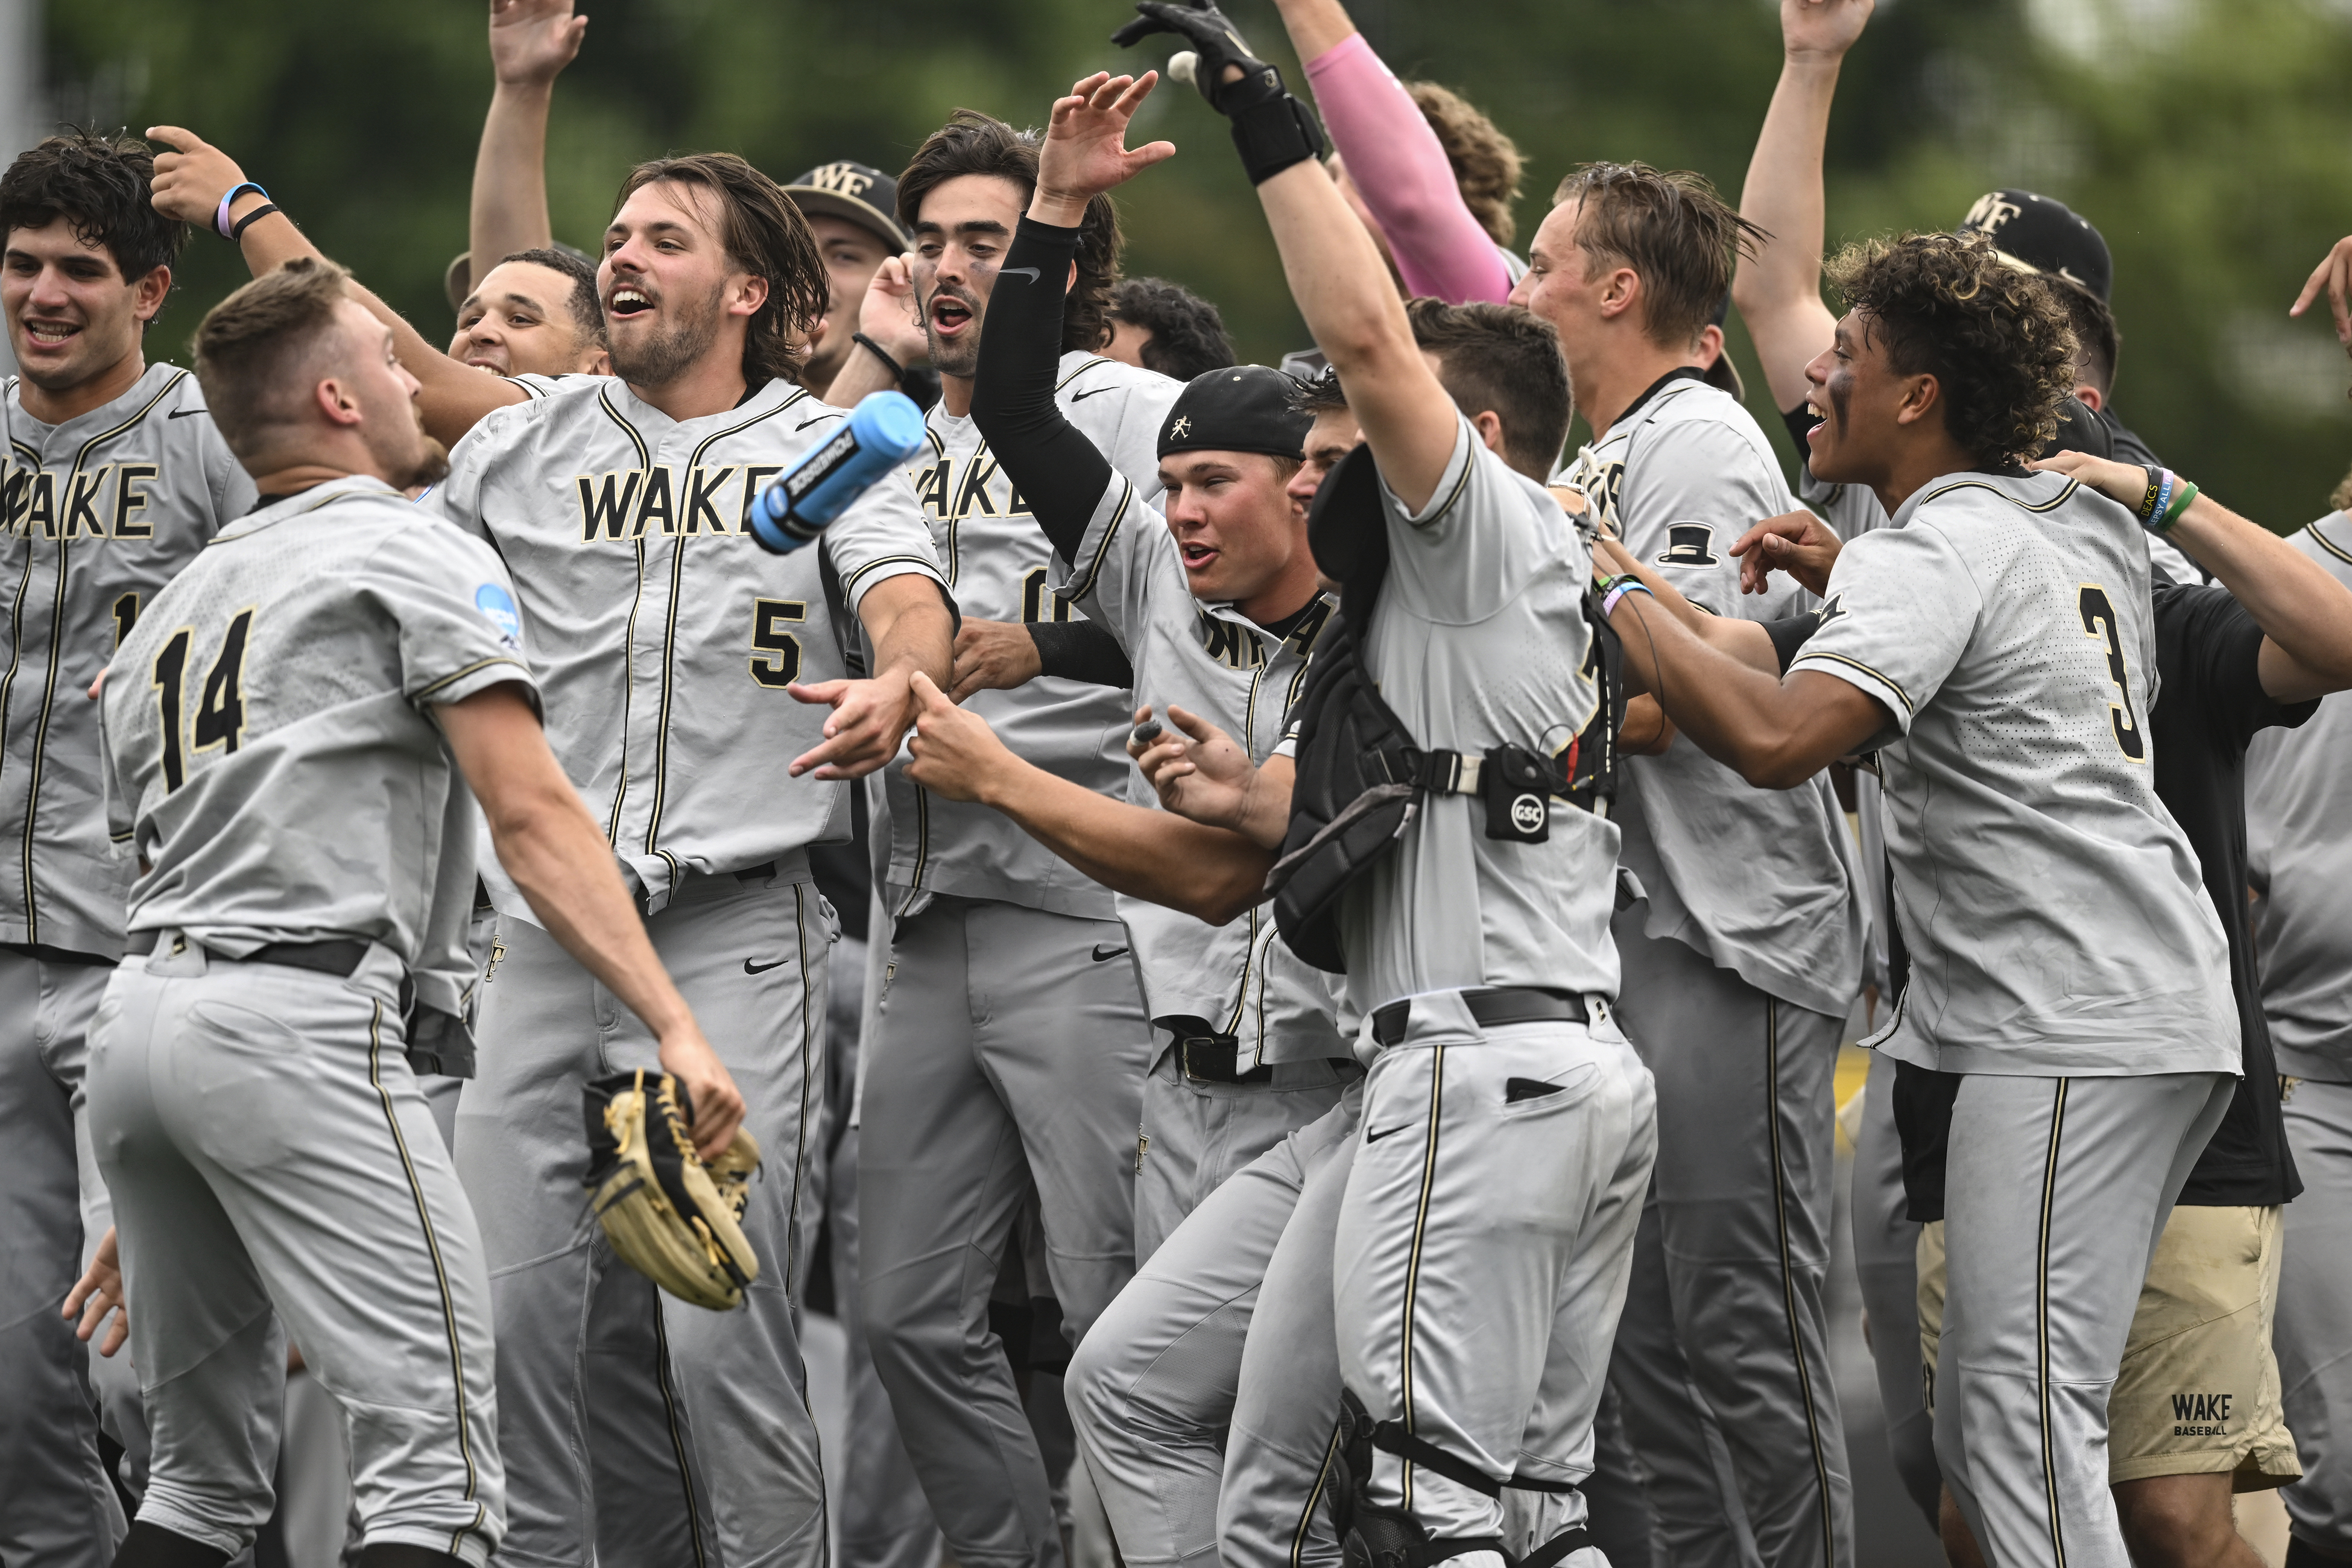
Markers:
992,656
191,180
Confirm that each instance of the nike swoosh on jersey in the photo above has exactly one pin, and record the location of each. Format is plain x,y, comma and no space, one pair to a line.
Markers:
1376,1137
752,968
1028,272
1105,954
1091,392
184,412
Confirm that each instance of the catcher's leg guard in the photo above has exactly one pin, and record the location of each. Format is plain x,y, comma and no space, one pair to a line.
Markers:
1375,1537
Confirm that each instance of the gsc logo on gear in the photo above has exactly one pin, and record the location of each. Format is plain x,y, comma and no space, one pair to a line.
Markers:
1529,814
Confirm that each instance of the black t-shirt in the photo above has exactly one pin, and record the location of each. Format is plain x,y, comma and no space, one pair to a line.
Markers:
2209,705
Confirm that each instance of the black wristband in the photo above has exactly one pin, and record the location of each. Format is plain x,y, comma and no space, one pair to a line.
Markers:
1273,135
898,371
1081,650
236,230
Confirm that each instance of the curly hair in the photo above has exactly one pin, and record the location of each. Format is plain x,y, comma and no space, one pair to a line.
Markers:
765,236
1188,335
1996,339
971,143
100,184
1671,228
1485,162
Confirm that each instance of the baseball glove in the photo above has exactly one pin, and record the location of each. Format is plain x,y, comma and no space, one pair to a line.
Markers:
672,1218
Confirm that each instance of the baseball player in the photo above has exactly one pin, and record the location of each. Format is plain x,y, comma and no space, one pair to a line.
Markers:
1743,954
536,313
687,672
1507,1130
2098,1070
1009,1044
112,478
281,733
2299,865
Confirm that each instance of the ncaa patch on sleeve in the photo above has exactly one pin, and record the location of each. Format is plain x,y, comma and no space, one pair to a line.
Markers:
498,604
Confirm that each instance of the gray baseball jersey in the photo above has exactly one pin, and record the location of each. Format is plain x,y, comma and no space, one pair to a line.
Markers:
664,635
2055,916
1479,639
1763,882
1210,658
2299,859
101,511
997,564
267,753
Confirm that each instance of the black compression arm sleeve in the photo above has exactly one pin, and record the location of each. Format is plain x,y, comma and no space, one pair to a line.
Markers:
1790,635
1081,650
1058,470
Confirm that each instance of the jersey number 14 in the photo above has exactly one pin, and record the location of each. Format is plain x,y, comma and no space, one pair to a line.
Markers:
220,710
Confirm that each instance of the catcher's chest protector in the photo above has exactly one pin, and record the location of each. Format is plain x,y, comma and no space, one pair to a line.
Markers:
1359,776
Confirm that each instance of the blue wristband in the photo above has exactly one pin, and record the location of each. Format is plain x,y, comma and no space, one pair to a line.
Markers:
220,214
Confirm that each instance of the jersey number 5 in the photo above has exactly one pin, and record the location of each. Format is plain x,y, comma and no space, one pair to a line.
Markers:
220,712
775,652
2099,621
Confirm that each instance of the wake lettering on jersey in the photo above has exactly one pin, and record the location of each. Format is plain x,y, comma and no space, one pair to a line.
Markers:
630,504
109,502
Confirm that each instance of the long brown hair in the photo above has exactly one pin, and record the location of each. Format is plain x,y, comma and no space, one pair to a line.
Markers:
765,236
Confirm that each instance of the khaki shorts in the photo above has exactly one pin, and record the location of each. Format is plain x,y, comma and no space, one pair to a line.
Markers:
2198,1392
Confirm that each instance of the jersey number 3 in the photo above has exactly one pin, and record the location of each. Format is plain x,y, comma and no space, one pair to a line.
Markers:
2099,621
220,712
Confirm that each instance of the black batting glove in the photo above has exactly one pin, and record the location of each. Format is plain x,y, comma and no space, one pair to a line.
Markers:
1272,130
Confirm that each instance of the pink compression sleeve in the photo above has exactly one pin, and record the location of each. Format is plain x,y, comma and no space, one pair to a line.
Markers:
1397,163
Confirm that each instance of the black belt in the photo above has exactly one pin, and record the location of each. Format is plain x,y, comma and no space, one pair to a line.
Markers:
341,958
1216,1058
1493,1007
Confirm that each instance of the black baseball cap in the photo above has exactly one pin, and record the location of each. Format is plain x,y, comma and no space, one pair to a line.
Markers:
2039,234
857,191
1238,409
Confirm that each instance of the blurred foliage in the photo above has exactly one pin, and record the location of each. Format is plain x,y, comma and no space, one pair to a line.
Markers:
2209,140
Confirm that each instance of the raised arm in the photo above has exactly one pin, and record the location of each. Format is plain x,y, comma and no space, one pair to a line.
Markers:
2305,614
1395,160
1061,474
531,43
1779,289
189,184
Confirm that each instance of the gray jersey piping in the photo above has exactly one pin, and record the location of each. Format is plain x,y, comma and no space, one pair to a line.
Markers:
2329,545
1083,583
1889,681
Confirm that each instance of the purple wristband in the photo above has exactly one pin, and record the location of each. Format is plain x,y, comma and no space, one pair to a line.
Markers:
220,214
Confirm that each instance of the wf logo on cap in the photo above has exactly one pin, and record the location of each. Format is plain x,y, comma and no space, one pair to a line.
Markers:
843,178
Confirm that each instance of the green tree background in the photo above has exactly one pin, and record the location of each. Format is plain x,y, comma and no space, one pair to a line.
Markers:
2209,140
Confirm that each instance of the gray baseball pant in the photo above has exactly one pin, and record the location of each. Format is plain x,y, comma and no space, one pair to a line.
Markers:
1003,1051
2312,1333
1482,1251
1747,1160
1152,1388
2055,1192
1194,1135
637,1427
57,1508
271,1161
883,1521
1886,1266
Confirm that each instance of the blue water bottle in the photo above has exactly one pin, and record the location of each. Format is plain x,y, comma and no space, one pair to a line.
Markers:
883,431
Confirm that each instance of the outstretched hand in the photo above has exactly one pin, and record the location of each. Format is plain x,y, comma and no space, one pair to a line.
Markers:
1221,55
2125,483
891,316
954,752
1197,770
532,40
1796,543
2334,274
191,178
1086,151
1821,29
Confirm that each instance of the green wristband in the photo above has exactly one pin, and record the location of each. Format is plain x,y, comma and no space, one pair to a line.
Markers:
2187,494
